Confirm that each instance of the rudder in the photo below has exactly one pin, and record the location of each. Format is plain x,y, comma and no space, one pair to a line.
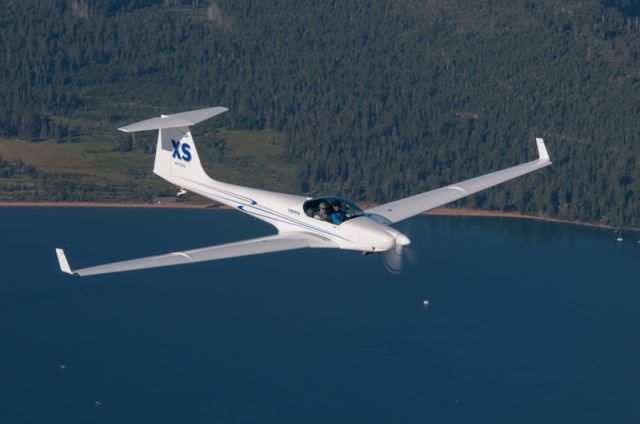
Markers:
176,154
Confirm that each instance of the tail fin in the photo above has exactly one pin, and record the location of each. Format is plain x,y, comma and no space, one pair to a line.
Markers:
176,154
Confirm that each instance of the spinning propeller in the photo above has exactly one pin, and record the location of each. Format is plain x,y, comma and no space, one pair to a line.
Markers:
395,258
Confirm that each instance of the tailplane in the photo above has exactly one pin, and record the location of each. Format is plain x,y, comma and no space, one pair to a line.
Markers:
176,154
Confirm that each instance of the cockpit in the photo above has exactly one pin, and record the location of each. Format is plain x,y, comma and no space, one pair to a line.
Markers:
332,209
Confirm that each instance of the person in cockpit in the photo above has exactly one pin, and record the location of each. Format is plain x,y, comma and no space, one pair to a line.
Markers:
337,215
323,212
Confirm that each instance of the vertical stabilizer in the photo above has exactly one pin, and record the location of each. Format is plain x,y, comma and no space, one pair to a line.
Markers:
176,154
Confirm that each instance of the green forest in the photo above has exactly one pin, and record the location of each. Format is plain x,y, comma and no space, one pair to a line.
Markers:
374,100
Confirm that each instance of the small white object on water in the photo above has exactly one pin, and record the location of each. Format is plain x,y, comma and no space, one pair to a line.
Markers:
63,367
98,403
425,302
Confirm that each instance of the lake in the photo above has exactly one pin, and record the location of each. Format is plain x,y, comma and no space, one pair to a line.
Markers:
527,322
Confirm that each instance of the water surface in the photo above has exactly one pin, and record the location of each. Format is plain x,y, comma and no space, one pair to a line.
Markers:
528,322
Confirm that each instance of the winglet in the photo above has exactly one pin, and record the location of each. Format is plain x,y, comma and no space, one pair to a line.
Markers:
542,150
62,260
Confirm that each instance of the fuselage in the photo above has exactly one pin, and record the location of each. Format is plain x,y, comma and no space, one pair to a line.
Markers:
287,214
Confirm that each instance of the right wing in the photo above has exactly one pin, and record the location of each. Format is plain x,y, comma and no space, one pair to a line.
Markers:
420,203
277,243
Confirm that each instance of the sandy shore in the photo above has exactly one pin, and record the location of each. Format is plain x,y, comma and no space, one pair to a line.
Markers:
514,215
461,212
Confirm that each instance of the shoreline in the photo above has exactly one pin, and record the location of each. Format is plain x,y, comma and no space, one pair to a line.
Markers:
464,212
459,212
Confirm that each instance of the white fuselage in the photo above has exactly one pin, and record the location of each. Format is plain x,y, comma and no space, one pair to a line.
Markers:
285,212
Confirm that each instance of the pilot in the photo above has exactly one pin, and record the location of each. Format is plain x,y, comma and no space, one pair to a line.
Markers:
323,212
337,215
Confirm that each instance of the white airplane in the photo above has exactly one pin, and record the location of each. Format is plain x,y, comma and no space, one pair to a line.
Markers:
298,219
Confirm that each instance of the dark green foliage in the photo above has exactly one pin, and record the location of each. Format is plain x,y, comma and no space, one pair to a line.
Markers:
14,168
377,99
629,8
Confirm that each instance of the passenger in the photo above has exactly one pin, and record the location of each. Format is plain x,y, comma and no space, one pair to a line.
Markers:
323,212
337,216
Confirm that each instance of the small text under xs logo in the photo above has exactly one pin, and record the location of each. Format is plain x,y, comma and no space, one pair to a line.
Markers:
181,151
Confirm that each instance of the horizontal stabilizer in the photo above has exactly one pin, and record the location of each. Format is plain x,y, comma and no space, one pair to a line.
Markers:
177,120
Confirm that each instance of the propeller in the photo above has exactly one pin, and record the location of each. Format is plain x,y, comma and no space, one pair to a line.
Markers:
395,258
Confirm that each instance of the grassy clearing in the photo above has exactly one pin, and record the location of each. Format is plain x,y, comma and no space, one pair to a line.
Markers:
252,158
90,169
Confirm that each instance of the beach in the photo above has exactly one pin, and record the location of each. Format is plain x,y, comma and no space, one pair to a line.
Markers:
443,211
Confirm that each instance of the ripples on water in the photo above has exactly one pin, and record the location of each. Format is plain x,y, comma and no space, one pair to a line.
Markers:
526,322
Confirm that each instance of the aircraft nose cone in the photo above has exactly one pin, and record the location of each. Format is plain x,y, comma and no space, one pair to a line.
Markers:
402,240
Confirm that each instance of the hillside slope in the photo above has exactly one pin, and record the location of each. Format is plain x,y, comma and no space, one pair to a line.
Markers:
377,99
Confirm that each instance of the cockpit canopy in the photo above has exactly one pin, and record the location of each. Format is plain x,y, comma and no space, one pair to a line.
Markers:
350,210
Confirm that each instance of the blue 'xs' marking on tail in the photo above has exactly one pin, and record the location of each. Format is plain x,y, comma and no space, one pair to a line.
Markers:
186,153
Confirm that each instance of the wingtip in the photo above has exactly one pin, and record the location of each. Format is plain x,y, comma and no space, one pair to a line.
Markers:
542,150
62,260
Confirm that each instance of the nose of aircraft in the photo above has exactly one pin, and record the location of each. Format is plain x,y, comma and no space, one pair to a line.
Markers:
402,240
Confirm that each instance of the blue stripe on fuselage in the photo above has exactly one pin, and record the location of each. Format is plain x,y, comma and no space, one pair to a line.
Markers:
250,203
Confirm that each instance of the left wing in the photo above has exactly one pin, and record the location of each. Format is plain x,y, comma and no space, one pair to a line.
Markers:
420,203
277,243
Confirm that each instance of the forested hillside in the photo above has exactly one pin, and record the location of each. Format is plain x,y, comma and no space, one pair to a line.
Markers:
376,99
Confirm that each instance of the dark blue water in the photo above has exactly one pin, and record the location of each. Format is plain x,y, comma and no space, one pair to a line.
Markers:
528,322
